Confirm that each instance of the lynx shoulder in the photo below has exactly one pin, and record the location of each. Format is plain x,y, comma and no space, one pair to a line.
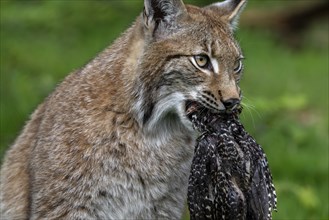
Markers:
113,140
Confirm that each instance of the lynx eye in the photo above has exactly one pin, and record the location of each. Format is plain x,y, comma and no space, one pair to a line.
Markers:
202,60
238,66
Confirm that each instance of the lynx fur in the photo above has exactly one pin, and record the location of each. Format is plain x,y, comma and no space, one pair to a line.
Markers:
113,140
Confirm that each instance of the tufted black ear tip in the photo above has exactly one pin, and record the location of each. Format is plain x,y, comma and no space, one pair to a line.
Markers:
229,10
157,12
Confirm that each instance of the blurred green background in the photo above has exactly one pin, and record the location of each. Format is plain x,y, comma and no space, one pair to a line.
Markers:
285,83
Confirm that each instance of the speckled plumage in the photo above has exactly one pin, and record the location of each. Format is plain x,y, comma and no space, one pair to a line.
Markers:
113,140
230,178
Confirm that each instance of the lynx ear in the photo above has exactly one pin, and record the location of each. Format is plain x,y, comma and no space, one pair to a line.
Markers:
162,14
229,10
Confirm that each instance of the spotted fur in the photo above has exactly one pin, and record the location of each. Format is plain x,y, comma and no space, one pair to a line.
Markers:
113,140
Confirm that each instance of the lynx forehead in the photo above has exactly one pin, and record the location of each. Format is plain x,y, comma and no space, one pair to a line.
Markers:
120,146
203,63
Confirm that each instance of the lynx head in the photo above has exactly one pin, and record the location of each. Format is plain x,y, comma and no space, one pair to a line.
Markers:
189,54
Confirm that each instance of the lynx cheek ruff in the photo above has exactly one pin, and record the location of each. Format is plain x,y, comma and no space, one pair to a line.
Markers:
230,178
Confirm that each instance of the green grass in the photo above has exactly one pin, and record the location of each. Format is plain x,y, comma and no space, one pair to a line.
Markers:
286,90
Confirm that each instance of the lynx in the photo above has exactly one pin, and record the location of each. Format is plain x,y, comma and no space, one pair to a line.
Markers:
113,140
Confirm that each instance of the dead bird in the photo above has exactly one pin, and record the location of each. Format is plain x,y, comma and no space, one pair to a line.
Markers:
230,178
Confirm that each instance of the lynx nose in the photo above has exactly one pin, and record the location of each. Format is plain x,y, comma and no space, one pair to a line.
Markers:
231,103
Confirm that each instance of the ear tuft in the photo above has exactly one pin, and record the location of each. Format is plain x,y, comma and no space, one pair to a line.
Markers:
229,10
166,12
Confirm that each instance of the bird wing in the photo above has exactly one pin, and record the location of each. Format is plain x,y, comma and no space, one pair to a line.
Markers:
230,178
